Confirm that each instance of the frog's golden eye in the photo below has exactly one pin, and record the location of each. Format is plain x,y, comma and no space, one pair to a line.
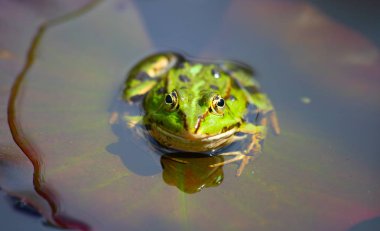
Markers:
217,105
171,100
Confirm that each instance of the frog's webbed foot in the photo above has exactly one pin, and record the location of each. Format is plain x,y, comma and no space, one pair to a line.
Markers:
256,140
257,135
238,156
253,148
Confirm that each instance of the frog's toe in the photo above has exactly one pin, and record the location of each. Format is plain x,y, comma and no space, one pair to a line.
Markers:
254,147
274,123
238,156
243,163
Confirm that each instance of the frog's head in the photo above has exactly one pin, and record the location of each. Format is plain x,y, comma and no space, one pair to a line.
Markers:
197,113
196,103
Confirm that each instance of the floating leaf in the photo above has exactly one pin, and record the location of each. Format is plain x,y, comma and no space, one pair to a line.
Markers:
90,175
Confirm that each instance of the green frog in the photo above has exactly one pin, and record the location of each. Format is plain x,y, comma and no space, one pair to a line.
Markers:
200,107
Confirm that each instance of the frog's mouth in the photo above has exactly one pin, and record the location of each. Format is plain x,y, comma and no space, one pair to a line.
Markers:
191,142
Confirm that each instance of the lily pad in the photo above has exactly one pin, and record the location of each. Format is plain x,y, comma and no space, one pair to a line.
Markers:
320,173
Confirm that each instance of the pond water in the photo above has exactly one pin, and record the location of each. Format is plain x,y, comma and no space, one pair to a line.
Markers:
63,66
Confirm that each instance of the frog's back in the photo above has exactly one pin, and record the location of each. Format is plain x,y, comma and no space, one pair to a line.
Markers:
198,77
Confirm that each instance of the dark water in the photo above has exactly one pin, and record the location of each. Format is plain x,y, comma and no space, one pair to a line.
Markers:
319,65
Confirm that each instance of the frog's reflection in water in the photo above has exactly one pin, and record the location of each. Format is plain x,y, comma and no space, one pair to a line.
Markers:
191,172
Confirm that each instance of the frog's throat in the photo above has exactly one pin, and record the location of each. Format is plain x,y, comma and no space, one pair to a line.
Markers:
192,142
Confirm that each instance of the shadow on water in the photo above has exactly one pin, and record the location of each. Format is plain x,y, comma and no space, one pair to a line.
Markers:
31,217
23,206
141,160
24,142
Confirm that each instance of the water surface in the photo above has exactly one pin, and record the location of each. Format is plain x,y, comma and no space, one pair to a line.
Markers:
321,74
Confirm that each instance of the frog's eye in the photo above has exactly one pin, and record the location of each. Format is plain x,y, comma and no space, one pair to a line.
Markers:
171,100
218,104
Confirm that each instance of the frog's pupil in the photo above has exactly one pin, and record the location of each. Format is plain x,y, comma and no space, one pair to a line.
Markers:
168,99
221,103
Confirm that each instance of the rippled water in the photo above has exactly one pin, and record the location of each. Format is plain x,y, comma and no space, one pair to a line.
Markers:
78,171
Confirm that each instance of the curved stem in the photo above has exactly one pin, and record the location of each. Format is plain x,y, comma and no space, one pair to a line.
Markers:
22,140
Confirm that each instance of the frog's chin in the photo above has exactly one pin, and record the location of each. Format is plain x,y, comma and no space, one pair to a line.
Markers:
189,142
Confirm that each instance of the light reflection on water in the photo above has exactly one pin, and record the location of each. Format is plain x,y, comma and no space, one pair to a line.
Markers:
319,174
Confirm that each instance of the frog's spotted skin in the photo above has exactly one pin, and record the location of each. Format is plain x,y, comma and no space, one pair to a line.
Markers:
200,107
